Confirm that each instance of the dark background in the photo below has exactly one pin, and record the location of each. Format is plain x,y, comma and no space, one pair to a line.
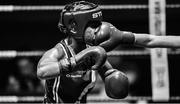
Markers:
37,30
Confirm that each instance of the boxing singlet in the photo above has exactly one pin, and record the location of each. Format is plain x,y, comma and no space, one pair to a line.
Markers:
72,87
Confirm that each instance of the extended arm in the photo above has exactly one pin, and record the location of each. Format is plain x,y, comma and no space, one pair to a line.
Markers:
152,41
109,37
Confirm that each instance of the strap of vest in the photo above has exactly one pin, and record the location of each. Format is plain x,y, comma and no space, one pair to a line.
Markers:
67,50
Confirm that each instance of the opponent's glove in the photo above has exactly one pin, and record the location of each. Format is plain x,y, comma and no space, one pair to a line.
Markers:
116,84
107,36
96,54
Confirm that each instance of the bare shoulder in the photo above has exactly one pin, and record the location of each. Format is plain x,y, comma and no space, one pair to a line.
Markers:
55,52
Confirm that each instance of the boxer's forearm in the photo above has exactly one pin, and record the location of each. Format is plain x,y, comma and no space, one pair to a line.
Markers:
152,41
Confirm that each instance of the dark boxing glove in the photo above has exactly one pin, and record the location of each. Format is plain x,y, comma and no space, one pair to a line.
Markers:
95,53
116,84
107,36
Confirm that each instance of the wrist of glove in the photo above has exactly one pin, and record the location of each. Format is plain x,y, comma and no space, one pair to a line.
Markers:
67,64
127,37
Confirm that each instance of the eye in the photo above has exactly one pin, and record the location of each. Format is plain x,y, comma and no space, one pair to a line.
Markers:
73,26
73,23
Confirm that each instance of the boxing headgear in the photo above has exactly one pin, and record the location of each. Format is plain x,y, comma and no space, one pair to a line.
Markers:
74,20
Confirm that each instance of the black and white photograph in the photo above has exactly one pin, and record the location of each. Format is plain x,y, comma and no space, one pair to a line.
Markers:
90,51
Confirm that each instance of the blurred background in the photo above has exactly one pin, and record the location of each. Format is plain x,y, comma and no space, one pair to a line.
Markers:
37,30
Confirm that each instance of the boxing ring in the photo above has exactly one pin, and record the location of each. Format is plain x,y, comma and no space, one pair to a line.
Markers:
10,54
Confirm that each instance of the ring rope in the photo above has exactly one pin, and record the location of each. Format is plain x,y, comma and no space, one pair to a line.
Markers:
14,53
11,8
15,99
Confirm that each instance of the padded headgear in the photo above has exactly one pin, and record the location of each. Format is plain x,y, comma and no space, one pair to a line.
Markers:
74,18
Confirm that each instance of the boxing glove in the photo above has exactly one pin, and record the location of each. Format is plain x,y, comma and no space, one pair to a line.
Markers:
107,36
116,84
95,53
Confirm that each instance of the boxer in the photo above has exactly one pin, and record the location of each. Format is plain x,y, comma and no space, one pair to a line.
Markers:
69,68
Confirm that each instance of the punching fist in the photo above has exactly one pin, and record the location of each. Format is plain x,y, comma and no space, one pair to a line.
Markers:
116,84
107,36
96,54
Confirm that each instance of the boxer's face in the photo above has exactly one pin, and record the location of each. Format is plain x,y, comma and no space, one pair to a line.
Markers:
89,35
90,32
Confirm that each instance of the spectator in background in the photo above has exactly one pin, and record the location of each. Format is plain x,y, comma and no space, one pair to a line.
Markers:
24,80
